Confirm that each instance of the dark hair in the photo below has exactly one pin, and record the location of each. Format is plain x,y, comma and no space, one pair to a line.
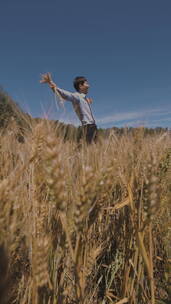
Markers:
77,81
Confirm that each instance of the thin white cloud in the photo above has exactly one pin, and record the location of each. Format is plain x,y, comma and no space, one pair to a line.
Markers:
142,116
146,123
156,122
150,117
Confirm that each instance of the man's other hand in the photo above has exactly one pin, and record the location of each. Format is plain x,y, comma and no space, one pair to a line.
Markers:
89,100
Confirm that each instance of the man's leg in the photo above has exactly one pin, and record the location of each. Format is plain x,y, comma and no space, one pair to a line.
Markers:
90,133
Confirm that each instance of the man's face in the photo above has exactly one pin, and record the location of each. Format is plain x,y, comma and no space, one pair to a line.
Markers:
83,88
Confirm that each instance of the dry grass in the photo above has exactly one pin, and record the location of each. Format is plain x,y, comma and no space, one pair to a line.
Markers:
87,224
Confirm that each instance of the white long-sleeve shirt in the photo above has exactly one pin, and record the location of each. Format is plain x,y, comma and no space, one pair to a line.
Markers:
80,105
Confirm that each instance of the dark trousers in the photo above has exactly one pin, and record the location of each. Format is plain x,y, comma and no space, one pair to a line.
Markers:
90,133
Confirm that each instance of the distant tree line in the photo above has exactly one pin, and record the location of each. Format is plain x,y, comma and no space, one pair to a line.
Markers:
11,111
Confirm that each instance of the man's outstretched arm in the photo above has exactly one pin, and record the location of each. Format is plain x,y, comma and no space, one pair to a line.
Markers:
46,78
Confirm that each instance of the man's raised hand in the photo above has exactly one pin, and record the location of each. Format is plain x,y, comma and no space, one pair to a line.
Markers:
46,78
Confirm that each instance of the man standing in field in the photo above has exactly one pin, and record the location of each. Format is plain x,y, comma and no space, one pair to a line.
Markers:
80,102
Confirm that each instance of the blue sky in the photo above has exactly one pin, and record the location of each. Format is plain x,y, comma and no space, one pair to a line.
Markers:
123,47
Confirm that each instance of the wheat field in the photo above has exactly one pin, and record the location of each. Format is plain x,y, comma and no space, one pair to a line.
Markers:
84,224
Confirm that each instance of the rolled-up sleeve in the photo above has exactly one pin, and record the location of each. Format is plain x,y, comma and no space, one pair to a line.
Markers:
73,97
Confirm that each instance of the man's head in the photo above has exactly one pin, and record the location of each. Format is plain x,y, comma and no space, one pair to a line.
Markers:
81,84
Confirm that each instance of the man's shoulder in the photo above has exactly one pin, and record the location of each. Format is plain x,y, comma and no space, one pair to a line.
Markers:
77,95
